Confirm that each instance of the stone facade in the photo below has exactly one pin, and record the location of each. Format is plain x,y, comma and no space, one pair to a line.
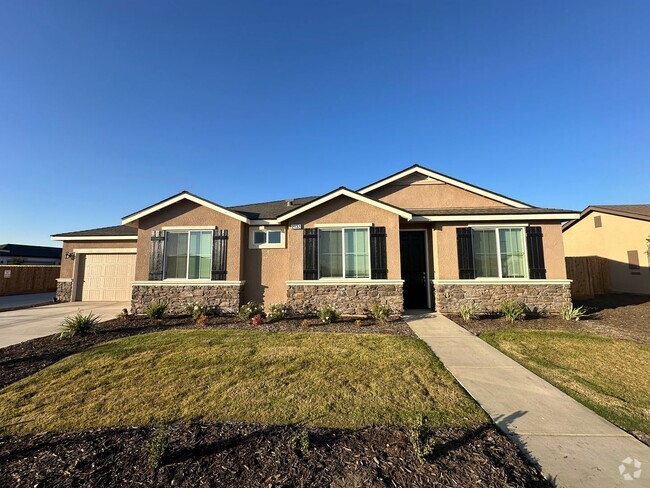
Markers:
226,297
347,299
542,298
64,291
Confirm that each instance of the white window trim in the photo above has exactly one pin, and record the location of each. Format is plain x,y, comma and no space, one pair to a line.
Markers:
187,268
267,228
496,233
343,278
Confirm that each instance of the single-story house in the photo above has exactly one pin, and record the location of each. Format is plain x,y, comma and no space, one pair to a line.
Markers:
415,239
620,234
25,254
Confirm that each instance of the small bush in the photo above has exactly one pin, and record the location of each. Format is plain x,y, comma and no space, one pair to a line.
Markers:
567,312
327,314
381,313
201,320
158,448
156,310
78,325
358,323
305,323
250,309
123,315
197,310
512,310
277,311
256,320
468,311
299,442
422,437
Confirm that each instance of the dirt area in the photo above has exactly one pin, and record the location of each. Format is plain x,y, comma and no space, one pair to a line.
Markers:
24,359
617,316
202,454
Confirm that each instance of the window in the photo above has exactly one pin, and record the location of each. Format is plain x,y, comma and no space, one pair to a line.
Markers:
188,255
266,237
344,253
499,253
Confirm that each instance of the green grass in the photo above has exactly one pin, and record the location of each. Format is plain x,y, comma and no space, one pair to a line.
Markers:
610,376
332,380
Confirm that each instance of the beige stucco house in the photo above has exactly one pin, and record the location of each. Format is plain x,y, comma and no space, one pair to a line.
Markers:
620,234
415,239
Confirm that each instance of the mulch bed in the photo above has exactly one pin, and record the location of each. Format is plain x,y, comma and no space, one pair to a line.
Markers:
243,455
618,316
26,358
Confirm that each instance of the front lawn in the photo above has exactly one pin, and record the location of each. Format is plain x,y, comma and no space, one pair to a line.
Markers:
325,380
610,376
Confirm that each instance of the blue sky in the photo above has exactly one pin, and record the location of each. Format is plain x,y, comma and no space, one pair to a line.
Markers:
108,107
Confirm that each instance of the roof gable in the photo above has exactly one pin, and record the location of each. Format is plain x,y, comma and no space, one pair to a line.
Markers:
637,212
445,179
184,195
347,193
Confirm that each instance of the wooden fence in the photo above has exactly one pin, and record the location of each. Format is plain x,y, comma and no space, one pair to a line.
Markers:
22,279
589,274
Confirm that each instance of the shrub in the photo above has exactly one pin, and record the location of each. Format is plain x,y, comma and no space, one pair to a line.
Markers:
256,320
158,448
156,310
201,320
305,323
421,436
299,442
327,314
381,313
567,312
250,309
468,311
358,323
277,311
512,310
78,325
123,315
196,310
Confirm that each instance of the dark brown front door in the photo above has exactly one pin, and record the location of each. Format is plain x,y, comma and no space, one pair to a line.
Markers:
414,268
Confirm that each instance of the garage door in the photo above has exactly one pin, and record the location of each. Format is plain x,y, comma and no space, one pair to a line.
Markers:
106,277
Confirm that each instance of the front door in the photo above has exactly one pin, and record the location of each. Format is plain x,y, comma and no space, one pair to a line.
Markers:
414,268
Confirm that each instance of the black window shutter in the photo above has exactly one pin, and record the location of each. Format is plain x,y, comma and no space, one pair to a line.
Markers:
536,267
157,256
378,258
310,254
219,254
465,253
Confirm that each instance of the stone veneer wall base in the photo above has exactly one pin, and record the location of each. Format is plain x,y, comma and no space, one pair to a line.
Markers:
63,291
542,298
347,299
226,297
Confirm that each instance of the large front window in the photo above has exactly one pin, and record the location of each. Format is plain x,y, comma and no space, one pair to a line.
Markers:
188,255
344,253
499,253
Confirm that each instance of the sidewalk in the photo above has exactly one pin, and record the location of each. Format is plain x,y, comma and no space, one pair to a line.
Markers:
574,446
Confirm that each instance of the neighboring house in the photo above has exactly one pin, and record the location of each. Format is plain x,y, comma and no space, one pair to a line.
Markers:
416,239
22,254
619,233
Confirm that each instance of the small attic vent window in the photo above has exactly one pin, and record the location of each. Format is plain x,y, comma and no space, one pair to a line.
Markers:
598,222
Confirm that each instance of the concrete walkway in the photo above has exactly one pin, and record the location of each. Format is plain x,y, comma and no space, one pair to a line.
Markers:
15,301
574,446
21,325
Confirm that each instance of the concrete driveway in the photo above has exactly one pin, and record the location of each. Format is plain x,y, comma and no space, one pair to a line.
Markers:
21,325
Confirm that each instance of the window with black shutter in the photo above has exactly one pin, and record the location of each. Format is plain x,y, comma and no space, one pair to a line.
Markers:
219,254
378,257
310,254
535,245
157,256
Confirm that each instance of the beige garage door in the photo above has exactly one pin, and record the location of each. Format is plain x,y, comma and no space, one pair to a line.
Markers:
106,277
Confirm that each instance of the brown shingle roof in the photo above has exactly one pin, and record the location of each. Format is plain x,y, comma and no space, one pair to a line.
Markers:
114,231
639,212
484,211
270,210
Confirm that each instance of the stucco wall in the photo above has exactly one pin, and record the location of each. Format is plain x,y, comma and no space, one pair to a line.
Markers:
265,272
67,265
186,213
343,210
612,241
416,191
446,252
